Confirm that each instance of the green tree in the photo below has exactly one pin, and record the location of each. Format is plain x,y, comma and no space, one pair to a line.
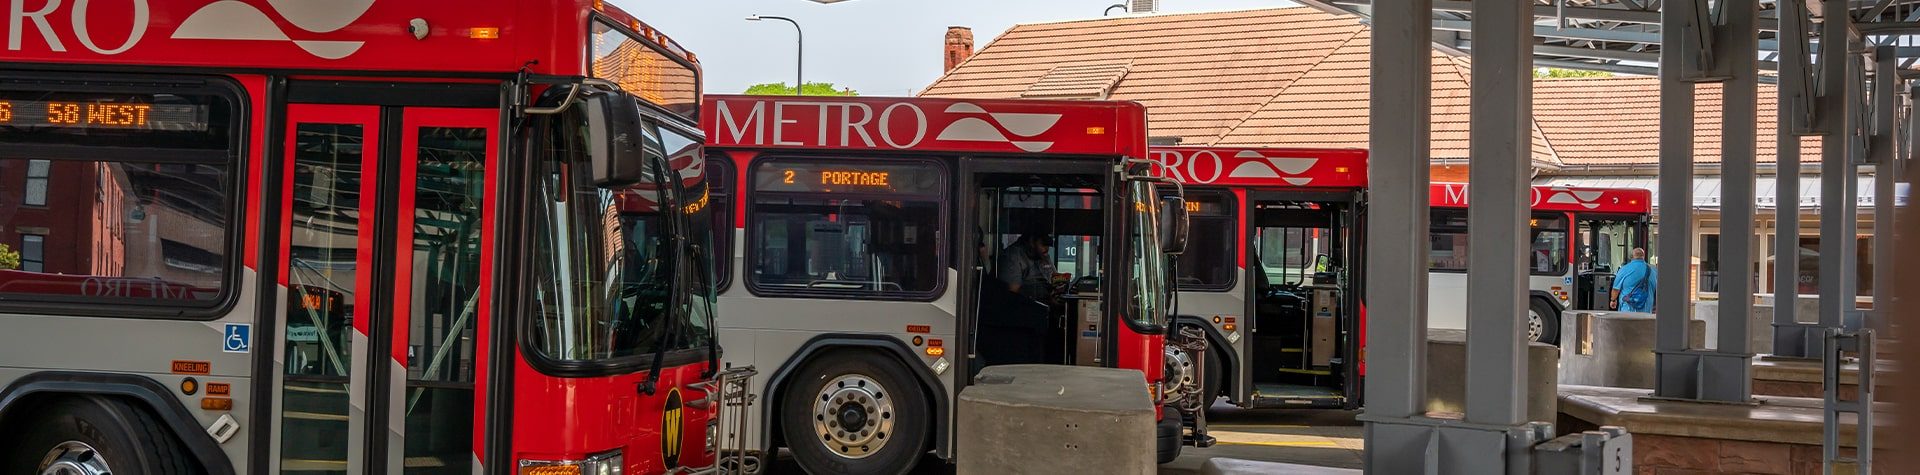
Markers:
1558,73
812,89
9,258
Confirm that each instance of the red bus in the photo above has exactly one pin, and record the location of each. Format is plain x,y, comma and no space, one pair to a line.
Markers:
1275,270
356,236
868,236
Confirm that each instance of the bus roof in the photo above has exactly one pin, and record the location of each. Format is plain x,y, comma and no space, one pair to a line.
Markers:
462,36
926,125
1264,167
1558,198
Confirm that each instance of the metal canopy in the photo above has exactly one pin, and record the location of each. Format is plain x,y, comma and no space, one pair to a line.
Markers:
1623,36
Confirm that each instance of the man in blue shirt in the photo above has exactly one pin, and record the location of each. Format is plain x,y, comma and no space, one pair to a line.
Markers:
1633,284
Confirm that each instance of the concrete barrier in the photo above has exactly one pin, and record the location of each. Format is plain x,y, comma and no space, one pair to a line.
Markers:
1613,349
1224,466
1056,419
1447,382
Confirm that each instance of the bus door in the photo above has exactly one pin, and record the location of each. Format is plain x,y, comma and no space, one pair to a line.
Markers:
1302,324
1037,303
384,239
1606,242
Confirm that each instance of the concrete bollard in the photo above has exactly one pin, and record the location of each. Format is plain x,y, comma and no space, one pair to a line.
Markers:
1447,367
1613,349
1056,419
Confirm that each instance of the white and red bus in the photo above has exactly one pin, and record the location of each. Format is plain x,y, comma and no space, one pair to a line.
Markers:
867,236
357,236
1274,271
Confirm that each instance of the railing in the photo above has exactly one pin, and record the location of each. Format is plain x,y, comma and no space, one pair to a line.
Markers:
732,391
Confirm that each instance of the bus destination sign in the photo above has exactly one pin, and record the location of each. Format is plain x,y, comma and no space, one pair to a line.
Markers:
838,178
102,113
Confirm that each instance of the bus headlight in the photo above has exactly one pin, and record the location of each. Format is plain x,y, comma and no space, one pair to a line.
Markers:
713,434
605,463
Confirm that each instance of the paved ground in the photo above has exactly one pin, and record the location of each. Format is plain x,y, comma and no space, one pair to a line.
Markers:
1325,438
1321,437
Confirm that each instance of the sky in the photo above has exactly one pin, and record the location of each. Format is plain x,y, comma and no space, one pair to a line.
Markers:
876,47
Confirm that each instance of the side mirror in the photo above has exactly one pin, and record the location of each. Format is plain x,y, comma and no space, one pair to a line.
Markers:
1173,225
620,142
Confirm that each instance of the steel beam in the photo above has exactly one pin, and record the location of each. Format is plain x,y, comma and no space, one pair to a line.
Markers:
1672,305
1884,150
1839,98
1737,136
1396,285
1728,375
1501,142
1787,339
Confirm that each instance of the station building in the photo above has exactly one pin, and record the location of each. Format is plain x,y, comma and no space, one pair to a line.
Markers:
1298,77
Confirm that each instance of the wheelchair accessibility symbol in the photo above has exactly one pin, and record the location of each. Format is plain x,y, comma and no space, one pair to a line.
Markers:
239,338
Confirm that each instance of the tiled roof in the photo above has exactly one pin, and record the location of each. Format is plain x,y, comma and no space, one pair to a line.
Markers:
1078,81
1199,73
1616,121
1298,77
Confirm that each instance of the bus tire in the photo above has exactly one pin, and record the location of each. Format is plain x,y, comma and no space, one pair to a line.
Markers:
864,391
1541,313
96,434
1215,378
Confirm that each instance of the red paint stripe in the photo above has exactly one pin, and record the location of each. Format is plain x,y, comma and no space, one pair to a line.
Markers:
256,157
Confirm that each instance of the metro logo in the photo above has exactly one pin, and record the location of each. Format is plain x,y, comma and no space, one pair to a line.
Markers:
1262,167
236,20
20,17
1557,198
922,124
127,22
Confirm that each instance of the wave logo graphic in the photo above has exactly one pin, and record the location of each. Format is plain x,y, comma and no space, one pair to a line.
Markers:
996,126
239,21
1256,165
1585,198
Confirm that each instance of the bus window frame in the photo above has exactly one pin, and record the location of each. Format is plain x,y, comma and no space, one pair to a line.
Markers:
1231,212
723,182
234,158
943,259
1565,266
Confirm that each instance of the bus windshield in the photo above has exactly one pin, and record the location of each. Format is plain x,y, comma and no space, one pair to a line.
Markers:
1148,276
606,263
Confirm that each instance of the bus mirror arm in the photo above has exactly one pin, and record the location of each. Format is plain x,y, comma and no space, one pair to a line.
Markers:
573,93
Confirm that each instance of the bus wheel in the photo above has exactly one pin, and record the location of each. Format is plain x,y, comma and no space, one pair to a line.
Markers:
855,412
1214,374
1543,324
94,435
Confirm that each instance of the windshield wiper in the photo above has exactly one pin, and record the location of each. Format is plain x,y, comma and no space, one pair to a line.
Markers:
650,386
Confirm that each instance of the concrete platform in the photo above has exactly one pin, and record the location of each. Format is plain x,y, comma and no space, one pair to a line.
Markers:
1447,369
1239,467
1803,378
1311,437
1056,419
1778,435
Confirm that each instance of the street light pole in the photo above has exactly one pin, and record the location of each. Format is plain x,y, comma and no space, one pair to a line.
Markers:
799,51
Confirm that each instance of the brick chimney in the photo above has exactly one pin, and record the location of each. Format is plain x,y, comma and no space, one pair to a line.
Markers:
959,45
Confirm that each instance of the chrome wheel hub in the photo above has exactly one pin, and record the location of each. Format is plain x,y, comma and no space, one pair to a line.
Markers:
1536,325
74,458
853,416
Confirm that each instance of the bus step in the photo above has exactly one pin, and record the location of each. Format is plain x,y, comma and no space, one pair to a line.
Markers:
1293,350
1315,372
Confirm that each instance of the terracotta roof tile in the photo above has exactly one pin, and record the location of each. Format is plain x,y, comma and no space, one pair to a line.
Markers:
1298,77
